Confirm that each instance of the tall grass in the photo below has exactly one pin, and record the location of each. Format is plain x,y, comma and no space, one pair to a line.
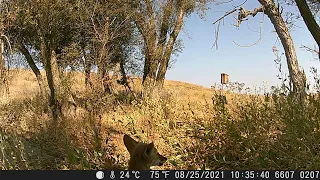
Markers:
272,131
195,128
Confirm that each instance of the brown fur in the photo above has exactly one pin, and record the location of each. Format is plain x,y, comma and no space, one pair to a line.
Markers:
142,155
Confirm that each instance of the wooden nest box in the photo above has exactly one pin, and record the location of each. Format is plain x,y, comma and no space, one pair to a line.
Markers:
224,78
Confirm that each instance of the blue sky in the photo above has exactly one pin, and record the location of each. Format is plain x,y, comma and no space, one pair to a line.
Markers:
200,63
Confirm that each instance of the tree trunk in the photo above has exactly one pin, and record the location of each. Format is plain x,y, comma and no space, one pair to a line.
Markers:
2,60
87,70
149,74
309,21
46,59
55,71
164,67
114,78
298,77
3,86
104,78
167,54
147,28
33,66
107,83
103,69
124,79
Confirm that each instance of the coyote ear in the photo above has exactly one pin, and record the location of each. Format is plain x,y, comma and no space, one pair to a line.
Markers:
129,143
149,149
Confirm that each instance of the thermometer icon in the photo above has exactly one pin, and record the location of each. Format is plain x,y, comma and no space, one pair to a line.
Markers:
112,176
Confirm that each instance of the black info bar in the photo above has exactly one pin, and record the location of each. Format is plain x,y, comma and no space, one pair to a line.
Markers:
156,174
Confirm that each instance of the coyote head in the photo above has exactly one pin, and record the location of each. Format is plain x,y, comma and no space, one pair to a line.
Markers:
142,155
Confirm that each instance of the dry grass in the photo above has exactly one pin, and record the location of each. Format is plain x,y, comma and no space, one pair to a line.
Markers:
191,125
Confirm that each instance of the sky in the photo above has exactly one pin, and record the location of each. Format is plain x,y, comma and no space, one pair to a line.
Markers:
200,63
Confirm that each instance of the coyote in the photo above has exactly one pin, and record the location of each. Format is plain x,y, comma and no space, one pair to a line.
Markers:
142,155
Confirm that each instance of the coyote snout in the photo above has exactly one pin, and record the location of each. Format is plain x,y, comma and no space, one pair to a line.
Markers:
142,155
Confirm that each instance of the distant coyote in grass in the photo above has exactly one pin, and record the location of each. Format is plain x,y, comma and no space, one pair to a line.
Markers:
142,155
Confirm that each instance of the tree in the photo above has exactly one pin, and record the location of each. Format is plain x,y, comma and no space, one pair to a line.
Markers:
166,54
159,23
309,20
44,27
23,49
297,77
22,34
104,30
5,19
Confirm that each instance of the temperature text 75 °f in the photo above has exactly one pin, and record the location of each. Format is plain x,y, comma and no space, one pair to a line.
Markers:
159,174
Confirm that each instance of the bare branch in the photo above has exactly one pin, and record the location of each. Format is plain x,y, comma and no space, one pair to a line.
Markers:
241,4
229,1
243,14
310,49
260,37
217,36
227,14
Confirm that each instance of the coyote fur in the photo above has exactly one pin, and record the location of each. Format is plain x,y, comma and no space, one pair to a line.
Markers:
142,155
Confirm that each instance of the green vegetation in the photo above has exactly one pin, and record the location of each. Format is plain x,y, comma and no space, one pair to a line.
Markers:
191,125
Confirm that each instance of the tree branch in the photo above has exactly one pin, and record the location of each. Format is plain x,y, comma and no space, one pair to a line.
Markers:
227,14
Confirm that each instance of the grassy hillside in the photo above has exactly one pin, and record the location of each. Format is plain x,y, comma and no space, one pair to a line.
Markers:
191,125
